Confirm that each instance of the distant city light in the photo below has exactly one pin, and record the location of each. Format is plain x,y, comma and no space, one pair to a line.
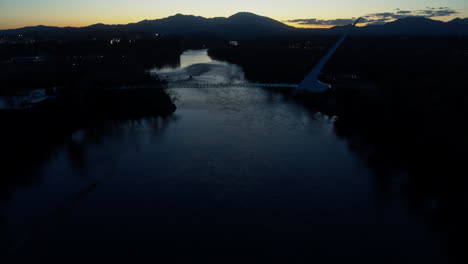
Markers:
114,41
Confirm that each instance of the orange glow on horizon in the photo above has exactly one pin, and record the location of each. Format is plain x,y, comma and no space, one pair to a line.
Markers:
297,25
113,21
62,13
117,20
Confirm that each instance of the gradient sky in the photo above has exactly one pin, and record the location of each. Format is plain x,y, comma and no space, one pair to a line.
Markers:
19,13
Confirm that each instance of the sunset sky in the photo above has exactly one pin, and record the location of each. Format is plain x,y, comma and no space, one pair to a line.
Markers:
305,13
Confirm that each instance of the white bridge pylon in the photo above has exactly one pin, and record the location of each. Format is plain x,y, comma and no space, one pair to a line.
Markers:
311,82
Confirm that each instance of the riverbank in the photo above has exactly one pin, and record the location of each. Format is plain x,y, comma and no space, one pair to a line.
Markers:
228,161
52,120
79,82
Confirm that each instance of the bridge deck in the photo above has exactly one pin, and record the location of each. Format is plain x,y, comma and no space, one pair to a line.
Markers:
229,85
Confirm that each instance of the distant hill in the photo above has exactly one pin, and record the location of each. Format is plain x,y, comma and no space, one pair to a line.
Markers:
419,26
240,24
459,21
245,25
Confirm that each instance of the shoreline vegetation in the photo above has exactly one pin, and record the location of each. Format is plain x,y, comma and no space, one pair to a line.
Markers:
83,81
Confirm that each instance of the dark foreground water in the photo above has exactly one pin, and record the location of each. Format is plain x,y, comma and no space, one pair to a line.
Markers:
235,175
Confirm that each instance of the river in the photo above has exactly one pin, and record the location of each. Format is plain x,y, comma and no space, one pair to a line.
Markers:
242,172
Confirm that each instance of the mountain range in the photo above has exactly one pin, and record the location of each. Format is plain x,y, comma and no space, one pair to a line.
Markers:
247,25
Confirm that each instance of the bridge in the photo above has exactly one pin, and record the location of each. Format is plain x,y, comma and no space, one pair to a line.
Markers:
311,83
230,85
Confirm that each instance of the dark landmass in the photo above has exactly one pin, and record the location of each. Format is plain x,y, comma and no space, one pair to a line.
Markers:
418,26
275,60
240,25
401,100
414,120
84,64
89,82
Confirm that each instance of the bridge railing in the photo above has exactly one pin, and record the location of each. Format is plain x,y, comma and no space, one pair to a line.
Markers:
229,85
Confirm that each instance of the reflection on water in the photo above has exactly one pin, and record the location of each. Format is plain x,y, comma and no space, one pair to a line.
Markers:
235,172
189,57
15,102
11,102
4,104
197,67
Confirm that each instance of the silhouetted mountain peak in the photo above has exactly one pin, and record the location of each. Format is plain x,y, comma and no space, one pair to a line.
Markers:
459,21
244,15
379,23
246,18
98,25
417,25
185,20
416,20
179,15
249,17
246,24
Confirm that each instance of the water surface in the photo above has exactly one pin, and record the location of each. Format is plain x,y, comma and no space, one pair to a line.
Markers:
241,174
197,67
